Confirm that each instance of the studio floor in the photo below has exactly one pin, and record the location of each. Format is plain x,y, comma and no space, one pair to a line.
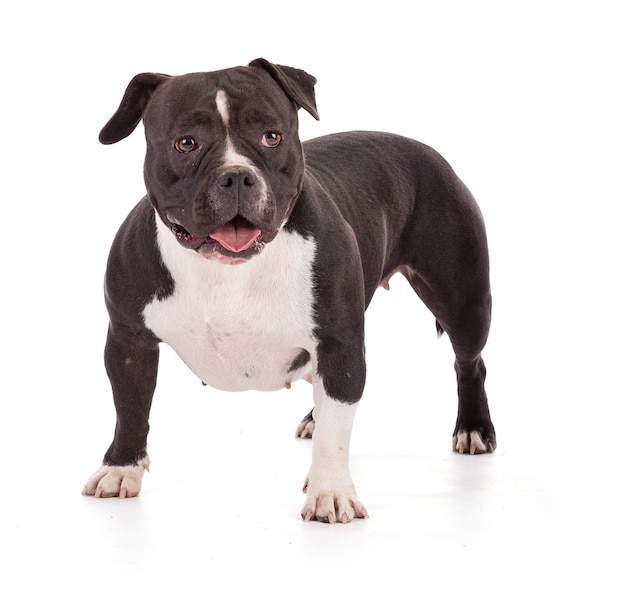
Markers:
219,511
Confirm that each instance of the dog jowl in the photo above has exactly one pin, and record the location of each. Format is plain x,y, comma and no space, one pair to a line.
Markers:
254,256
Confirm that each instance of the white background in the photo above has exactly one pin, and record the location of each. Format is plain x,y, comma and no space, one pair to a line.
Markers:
526,101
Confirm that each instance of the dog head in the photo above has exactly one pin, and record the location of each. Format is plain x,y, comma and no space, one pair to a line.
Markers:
224,163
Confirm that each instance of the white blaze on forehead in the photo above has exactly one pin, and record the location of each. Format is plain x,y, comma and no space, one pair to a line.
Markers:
222,105
232,157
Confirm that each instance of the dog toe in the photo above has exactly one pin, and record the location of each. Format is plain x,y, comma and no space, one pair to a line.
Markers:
112,481
332,508
472,442
306,427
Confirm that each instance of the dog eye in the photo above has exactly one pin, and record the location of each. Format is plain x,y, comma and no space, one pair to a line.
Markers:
186,144
271,139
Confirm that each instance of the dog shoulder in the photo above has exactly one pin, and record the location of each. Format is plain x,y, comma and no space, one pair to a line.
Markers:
135,272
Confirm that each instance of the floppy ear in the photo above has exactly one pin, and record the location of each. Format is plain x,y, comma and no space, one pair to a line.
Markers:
296,83
131,108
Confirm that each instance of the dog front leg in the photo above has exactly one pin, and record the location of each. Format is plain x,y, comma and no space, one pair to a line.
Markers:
331,495
131,361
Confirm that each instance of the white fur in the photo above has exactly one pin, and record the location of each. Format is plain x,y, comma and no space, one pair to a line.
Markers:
122,481
469,441
222,106
238,327
331,495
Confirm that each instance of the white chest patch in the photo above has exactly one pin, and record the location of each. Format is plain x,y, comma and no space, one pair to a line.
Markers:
238,327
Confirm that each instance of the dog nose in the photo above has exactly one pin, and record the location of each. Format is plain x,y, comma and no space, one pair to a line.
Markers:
237,183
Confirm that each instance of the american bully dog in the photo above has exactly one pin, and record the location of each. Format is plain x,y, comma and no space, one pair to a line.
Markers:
254,256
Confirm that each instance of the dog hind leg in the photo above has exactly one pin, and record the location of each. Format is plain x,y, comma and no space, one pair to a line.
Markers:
466,318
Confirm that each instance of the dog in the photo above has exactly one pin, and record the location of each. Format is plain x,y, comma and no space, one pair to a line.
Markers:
254,256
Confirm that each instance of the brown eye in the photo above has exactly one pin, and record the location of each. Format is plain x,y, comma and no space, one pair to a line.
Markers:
186,144
271,139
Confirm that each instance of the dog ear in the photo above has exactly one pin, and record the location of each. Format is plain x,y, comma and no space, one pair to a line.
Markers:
296,83
131,108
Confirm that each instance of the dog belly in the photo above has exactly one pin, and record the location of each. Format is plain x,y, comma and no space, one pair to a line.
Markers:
239,327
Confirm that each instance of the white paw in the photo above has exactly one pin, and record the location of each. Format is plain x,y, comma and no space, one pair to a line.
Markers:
330,506
470,442
109,481
305,429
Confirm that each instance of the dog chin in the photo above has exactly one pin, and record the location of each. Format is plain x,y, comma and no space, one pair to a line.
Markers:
215,251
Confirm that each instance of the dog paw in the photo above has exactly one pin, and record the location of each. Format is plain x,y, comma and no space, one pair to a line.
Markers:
306,427
110,481
332,506
472,442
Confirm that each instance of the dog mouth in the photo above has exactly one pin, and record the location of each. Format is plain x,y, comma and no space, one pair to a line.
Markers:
237,239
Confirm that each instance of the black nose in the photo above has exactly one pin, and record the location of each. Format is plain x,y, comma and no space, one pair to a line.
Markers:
237,183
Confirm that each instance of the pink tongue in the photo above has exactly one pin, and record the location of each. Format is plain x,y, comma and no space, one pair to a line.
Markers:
236,236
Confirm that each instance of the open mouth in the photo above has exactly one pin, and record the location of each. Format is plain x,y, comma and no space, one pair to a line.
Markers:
236,239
